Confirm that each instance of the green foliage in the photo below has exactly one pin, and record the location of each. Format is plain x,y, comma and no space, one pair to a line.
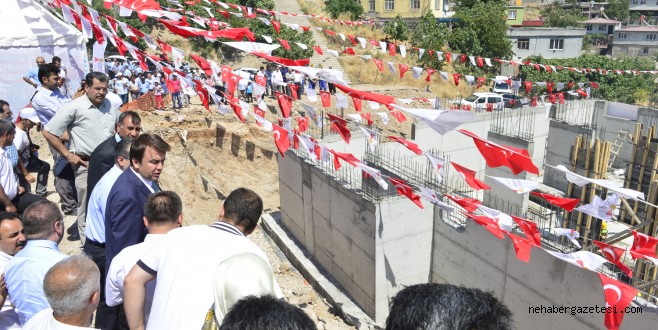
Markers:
471,3
428,34
483,30
397,29
617,9
557,16
627,88
337,7
594,39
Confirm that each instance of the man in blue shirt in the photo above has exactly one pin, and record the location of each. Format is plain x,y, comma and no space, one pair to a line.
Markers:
43,228
32,77
144,85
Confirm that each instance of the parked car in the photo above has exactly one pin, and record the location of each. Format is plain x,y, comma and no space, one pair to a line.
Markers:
247,73
483,102
500,85
512,101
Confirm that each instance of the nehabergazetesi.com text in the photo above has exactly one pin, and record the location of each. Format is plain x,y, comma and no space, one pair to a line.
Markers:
573,310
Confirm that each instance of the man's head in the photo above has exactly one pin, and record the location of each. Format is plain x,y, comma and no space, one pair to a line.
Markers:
122,153
5,110
7,131
49,76
129,124
175,77
43,220
267,313
96,87
242,208
12,238
147,155
163,209
445,306
29,117
57,61
142,78
72,287
40,61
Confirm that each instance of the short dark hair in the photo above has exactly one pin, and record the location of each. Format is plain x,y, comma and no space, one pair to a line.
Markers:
4,216
89,78
163,207
3,103
6,128
445,306
47,70
243,207
134,117
56,59
38,219
267,313
147,140
122,149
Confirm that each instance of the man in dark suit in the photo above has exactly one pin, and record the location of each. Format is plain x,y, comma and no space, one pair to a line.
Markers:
124,212
102,159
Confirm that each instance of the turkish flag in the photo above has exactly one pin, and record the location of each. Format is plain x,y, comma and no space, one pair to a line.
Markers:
448,57
281,139
488,223
403,68
480,61
614,254
581,92
284,43
410,145
349,158
469,176
518,160
429,73
326,99
644,244
285,103
593,84
164,47
552,99
294,90
140,58
533,102
405,190
276,25
550,85
340,125
237,109
528,87
283,61
456,76
366,116
379,98
227,71
179,30
560,98
203,94
121,47
331,33
530,230
260,113
399,116
391,49
261,80
349,51
351,39
566,203
318,49
617,297
202,63
138,5
374,43
462,57
481,81
357,103
302,124
570,85
232,83
470,204
379,64
522,247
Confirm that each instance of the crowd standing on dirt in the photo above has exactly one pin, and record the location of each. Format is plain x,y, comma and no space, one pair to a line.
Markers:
139,267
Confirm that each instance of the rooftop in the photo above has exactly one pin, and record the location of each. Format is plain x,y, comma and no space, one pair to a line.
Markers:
600,20
639,28
530,23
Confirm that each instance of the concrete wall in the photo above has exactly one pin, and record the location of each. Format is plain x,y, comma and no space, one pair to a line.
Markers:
476,258
609,118
561,138
539,39
364,247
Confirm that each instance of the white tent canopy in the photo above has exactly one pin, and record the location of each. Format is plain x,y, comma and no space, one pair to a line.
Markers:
28,30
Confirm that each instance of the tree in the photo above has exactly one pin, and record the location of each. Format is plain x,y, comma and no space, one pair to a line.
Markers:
428,34
397,29
618,9
472,3
337,7
485,30
557,16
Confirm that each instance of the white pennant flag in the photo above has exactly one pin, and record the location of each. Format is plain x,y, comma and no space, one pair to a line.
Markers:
223,4
517,185
365,57
416,72
309,146
325,155
362,41
87,32
581,181
301,45
569,233
125,12
267,38
342,36
341,101
249,47
560,86
470,79
245,108
602,209
371,138
373,105
375,174
178,56
265,21
472,59
333,52
582,259
382,44
149,42
421,51
488,61
67,15
313,114
455,56
553,67
406,101
266,124
444,75
98,58
199,20
383,116
403,50
442,121
312,95
258,90
391,66
433,198
439,56
505,222
357,117
437,165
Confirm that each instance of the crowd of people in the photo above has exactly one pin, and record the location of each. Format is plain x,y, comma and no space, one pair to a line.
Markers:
139,266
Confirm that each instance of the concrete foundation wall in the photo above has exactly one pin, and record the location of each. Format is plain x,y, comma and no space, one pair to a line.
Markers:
561,138
609,118
476,258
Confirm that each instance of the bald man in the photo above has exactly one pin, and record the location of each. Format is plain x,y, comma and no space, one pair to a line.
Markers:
72,287
32,77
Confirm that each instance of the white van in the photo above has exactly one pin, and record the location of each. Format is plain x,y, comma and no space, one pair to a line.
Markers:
484,101
500,85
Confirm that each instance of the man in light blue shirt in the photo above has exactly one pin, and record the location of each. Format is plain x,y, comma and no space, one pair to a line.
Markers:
43,228
48,98
32,77
144,85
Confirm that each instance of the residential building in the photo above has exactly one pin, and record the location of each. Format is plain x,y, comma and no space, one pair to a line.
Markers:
644,7
601,25
515,15
547,42
407,9
635,41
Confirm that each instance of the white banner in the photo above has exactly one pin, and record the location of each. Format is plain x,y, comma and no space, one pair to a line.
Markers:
98,58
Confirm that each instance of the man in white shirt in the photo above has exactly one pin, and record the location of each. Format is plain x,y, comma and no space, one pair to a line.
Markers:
184,262
72,289
277,80
30,119
121,87
163,212
12,240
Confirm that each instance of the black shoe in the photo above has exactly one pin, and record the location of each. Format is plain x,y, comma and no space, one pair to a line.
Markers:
74,237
